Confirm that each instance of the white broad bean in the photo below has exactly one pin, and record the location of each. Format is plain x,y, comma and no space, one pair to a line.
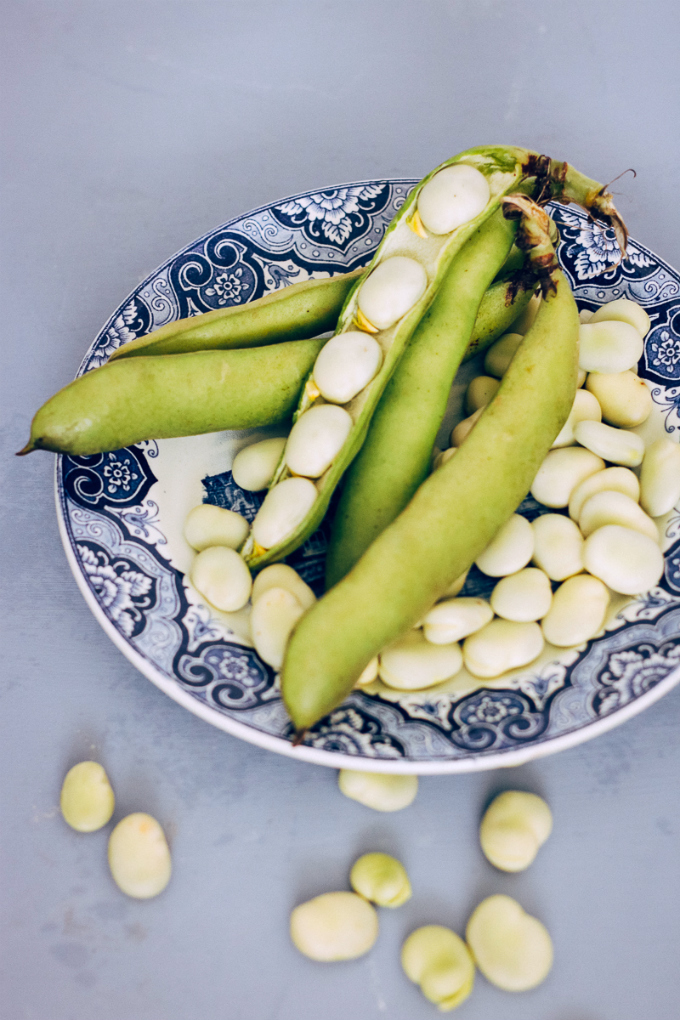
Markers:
452,197
660,477
334,926
615,508
222,577
381,879
625,399
87,800
614,479
465,427
254,466
378,791
522,597
500,354
558,546
345,365
391,290
482,390
280,575
271,622
615,445
611,346
584,408
525,319
624,310
581,377
502,645
208,525
369,674
284,508
560,473
578,611
412,663
455,619
585,314
514,828
139,856
512,949
628,562
316,439
509,550
438,960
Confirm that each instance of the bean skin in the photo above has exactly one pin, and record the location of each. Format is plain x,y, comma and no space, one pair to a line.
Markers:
297,312
452,517
183,395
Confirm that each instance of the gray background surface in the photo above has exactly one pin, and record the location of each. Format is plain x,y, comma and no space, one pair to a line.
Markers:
130,129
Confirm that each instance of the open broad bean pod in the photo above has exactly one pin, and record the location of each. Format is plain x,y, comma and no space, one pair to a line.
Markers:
429,231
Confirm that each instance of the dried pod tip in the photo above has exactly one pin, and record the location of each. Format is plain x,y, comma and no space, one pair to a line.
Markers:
299,736
533,237
28,448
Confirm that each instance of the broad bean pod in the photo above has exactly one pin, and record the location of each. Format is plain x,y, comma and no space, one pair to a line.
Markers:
179,395
396,455
453,515
298,312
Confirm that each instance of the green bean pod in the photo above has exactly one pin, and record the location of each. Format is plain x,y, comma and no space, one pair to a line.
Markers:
452,517
395,458
298,312
127,401
504,170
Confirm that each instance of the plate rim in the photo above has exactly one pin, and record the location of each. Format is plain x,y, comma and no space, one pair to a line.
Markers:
330,759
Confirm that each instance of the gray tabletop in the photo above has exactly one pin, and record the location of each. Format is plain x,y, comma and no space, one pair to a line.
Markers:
129,129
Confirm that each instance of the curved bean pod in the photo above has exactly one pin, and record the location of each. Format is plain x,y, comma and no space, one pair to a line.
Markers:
183,395
297,312
452,517
395,457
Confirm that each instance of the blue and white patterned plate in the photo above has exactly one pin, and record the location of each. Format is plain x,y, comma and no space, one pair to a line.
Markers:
121,517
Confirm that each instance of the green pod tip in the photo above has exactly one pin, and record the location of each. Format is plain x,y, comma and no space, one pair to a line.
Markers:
28,448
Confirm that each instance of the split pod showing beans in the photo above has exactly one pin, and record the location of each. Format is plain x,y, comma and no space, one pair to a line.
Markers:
453,515
395,457
182,395
387,304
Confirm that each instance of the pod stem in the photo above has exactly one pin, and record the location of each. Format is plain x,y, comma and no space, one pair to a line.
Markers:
299,736
533,237
562,182
28,448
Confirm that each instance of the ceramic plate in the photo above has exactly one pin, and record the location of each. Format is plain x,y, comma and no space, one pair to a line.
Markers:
121,517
